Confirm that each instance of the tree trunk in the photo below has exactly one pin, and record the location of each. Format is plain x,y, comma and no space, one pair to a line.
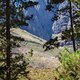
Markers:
72,36
8,73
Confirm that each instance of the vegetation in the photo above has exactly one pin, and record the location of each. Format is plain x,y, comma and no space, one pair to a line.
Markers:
12,65
71,33
17,67
70,66
51,44
41,74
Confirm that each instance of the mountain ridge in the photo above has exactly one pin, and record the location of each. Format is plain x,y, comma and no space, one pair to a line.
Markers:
26,36
41,24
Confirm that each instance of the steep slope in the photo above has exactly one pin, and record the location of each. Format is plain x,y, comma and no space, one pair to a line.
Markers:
26,35
63,21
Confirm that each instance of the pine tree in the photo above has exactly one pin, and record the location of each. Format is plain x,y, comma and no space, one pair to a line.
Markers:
73,32
56,1
75,35
12,65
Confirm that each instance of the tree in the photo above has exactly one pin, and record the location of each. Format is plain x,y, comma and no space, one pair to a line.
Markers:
11,64
74,30
69,34
8,61
56,2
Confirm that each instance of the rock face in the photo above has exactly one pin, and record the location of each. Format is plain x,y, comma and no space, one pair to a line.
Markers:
62,21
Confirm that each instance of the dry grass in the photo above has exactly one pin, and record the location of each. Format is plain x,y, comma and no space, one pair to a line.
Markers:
41,74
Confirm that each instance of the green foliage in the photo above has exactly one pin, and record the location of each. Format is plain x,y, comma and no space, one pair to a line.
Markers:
17,62
70,66
31,52
51,44
18,66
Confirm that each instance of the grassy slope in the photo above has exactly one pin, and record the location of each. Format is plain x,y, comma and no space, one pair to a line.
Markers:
40,74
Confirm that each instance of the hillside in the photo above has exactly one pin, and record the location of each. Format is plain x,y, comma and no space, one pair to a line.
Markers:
26,35
40,58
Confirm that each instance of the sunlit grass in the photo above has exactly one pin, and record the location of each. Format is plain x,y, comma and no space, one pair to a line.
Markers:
40,74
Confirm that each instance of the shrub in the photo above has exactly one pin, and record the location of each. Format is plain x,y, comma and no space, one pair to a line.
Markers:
70,66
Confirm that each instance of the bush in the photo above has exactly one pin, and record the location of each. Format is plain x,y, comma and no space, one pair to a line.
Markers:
70,66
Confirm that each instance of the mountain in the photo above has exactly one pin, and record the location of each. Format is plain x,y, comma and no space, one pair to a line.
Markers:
63,21
41,24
